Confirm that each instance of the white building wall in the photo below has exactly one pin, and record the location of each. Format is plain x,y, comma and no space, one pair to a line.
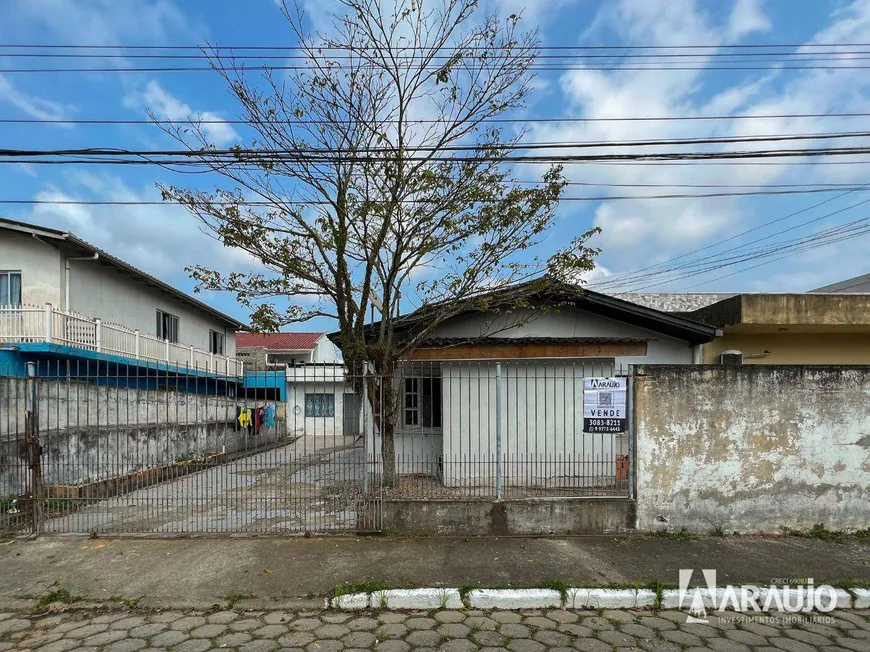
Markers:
40,266
543,443
99,291
325,351
570,322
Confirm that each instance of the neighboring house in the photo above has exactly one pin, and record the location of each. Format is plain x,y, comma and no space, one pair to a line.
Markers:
262,351
304,370
448,386
812,328
64,299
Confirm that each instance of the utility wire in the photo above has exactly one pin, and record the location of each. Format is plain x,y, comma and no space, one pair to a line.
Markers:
326,203
622,278
741,46
586,144
110,121
533,68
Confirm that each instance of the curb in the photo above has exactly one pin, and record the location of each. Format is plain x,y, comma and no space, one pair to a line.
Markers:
574,598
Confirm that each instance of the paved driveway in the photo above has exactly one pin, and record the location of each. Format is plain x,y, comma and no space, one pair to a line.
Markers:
450,631
310,485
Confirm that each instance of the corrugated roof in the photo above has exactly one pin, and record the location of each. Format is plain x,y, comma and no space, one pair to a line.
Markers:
278,341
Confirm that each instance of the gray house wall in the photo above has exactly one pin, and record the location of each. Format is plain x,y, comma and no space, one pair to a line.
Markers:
40,266
99,291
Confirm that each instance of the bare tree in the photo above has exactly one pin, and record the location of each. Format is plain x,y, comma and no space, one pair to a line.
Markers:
374,171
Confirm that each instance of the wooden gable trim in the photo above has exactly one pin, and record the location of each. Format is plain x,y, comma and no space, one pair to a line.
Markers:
520,351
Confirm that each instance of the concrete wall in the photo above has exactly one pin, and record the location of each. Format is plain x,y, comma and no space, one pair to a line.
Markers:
570,322
793,348
91,432
325,351
98,291
508,517
752,448
40,266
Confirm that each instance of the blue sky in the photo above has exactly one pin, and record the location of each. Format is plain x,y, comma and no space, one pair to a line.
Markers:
163,240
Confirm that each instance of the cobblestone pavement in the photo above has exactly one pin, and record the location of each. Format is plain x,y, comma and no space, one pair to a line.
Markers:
451,631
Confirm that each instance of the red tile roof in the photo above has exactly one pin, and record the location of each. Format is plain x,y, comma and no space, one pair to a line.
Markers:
279,341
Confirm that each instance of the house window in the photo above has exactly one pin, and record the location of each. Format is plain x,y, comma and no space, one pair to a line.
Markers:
167,326
10,288
320,405
423,402
216,342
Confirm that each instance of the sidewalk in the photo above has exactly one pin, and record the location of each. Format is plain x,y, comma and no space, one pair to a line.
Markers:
202,572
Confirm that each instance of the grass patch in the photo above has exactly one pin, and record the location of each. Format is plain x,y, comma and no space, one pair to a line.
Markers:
818,531
658,588
716,531
58,595
357,587
235,597
863,535
682,534
557,585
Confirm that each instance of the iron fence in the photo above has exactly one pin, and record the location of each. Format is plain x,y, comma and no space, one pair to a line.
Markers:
90,446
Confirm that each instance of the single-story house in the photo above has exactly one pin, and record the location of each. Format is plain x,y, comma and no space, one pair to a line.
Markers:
305,370
451,402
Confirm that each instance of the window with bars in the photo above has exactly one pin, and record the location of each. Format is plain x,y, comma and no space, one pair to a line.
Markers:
320,405
423,402
10,288
167,326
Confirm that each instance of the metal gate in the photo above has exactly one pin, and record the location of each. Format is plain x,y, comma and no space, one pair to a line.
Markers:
133,447
113,448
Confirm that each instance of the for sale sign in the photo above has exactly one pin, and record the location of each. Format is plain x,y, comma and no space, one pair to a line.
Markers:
604,401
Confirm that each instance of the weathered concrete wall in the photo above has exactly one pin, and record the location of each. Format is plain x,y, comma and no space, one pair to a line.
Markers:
752,448
517,517
90,432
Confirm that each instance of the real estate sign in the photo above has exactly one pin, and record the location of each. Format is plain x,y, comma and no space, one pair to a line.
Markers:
604,401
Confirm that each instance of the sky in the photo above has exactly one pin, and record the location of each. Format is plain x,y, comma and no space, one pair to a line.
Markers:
636,234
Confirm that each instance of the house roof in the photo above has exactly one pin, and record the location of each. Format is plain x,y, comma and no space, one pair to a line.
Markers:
278,341
438,342
564,293
57,238
858,284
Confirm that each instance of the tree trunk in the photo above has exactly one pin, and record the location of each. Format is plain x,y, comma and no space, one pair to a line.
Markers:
383,399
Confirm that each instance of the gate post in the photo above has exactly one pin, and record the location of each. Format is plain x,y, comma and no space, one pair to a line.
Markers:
34,450
498,462
629,414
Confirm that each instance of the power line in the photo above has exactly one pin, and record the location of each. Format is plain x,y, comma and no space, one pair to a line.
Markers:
77,46
533,68
326,203
121,121
667,273
630,276
263,157
586,144
853,55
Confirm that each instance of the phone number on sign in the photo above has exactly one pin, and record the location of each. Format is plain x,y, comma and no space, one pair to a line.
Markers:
604,425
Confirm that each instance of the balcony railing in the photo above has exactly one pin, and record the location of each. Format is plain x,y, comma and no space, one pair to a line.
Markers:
48,324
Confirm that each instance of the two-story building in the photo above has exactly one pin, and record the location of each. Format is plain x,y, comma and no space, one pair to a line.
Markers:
64,300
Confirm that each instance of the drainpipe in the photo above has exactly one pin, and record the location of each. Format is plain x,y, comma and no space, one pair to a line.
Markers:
66,275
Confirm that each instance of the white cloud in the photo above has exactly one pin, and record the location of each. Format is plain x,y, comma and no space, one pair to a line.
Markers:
638,233
746,18
161,239
165,106
35,107
104,22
